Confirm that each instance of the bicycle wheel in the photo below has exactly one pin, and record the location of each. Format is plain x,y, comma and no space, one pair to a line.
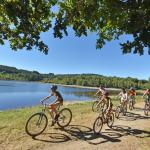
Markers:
117,112
131,105
110,120
94,106
98,124
146,109
64,117
124,110
36,124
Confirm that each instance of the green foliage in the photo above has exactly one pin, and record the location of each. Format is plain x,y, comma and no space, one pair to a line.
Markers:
12,73
22,21
92,80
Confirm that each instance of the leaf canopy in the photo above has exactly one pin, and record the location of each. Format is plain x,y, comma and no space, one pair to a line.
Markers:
22,21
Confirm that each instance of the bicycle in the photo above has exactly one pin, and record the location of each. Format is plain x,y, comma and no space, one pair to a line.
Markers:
131,102
146,107
101,106
38,122
102,119
121,109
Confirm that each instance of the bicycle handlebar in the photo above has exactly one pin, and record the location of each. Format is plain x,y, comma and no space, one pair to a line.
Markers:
44,103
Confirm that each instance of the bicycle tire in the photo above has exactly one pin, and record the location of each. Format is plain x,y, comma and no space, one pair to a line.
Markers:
62,117
131,105
98,123
39,121
110,117
124,110
117,112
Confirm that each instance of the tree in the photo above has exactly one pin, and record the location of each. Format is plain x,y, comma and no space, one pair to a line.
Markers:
22,21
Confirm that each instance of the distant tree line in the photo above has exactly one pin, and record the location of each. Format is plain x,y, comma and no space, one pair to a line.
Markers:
12,73
92,80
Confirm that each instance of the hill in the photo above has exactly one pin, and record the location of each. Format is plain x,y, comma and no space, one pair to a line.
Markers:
92,80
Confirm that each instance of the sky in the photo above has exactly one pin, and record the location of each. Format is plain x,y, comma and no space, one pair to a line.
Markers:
73,55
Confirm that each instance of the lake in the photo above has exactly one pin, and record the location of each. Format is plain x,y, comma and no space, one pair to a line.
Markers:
18,94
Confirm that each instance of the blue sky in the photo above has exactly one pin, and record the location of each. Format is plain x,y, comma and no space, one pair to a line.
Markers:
78,55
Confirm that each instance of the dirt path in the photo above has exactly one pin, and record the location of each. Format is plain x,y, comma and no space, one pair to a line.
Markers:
128,133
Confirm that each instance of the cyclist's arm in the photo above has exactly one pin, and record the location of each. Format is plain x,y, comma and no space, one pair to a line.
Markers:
98,92
46,98
119,95
135,93
144,94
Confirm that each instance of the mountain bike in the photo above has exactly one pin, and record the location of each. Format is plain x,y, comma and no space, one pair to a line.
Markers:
101,120
38,122
98,107
121,109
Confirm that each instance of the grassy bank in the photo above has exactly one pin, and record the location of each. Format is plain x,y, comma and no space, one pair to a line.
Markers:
12,122
16,119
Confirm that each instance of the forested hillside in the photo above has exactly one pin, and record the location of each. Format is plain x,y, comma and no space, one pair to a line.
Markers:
93,80
12,73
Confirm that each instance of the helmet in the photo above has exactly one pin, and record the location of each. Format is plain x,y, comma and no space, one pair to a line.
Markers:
131,88
54,87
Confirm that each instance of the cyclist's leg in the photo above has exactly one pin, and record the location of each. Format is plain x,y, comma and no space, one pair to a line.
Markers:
51,111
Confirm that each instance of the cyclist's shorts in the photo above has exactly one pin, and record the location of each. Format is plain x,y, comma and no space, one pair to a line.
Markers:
123,100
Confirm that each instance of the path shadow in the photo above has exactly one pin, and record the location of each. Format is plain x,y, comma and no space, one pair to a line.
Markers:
130,116
86,134
52,137
126,130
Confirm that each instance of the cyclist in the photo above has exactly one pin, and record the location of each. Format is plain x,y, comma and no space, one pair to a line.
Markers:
132,94
110,106
147,93
123,97
54,105
103,93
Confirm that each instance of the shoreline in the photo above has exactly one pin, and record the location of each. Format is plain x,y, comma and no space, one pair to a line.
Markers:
64,85
84,87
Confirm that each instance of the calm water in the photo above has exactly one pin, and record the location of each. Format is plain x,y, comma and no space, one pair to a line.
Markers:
16,94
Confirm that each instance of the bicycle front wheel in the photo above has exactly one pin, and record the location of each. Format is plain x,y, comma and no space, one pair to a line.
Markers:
124,111
64,117
110,120
36,124
146,109
117,112
131,105
98,124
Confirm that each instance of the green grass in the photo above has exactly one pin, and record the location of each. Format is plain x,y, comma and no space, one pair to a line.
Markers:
17,118
12,122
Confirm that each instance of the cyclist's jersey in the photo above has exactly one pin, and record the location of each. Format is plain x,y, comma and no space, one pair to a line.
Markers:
132,93
58,96
123,96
